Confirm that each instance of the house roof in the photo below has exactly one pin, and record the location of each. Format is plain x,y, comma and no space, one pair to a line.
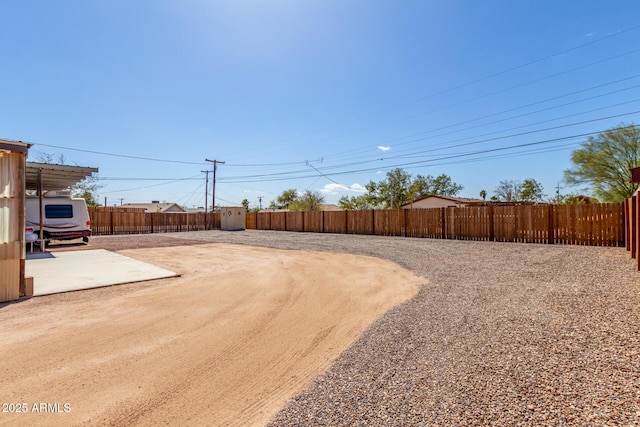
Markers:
154,207
467,200
330,207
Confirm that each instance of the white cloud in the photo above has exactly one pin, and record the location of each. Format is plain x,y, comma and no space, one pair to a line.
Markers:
384,147
333,189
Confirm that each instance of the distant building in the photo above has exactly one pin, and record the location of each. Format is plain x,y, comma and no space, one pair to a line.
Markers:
330,207
156,207
323,207
196,210
443,202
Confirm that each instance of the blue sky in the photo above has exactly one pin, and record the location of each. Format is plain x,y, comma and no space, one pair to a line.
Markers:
315,94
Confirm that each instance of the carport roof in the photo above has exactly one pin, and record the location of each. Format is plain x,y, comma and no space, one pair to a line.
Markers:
55,177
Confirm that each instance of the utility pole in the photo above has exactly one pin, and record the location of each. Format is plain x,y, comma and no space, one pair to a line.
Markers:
215,167
206,198
558,190
121,199
260,200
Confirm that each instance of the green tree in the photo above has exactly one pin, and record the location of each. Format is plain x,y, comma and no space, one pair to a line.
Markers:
396,188
245,203
531,191
285,199
308,201
483,194
400,188
507,191
442,185
354,203
568,199
87,189
604,161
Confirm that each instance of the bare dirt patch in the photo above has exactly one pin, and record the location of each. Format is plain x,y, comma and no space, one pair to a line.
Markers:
228,343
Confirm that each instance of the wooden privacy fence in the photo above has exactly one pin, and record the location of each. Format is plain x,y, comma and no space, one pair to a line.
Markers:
116,220
632,226
593,224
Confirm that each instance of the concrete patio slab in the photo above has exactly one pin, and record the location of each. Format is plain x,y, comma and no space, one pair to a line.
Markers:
75,270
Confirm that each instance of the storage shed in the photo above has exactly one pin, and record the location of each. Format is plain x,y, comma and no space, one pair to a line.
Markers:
233,218
13,158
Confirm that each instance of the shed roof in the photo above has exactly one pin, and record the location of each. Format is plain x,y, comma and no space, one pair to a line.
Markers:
55,177
17,146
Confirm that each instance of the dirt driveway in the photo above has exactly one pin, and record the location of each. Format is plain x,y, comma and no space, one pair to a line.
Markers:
228,343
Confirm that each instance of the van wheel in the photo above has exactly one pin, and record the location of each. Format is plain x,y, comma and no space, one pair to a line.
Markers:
85,239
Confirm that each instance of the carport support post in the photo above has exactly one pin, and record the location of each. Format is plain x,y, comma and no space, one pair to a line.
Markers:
42,244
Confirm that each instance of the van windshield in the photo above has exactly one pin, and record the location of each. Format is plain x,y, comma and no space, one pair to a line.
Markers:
58,211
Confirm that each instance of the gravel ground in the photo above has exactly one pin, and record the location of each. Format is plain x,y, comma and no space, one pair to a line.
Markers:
503,334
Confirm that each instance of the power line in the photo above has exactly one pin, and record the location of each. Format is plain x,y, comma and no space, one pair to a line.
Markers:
118,155
462,85
265,176
146,186
520,85
503,112
422,162
430,111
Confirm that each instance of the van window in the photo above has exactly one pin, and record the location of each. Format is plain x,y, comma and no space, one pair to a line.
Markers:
58,211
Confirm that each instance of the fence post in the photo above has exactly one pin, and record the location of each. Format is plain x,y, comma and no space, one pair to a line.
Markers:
636,220
111,222
551,232
443,216
492,230
634,225
346,222
406,221
627,224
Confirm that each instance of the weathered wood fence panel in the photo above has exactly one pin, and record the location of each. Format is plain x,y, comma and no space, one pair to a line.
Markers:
335,222
389,222
360,222
295,221
116,220
252,220
425,223
314,222
278,221
263,221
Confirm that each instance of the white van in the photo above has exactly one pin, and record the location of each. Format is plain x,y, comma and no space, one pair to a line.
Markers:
63,217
